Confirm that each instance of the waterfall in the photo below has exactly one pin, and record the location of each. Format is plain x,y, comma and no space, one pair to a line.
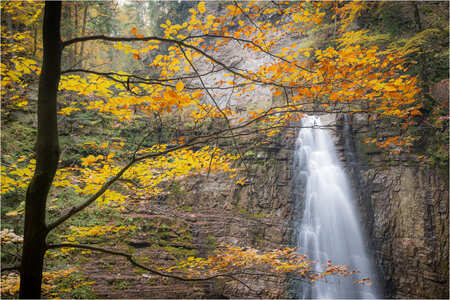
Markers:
327,223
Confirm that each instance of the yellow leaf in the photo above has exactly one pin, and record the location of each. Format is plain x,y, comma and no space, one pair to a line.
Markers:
179,86
201,7
12,213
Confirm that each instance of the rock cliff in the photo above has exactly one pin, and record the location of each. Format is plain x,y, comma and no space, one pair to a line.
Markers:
197,214
405,211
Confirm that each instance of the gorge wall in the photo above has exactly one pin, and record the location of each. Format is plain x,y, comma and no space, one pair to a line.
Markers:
405,211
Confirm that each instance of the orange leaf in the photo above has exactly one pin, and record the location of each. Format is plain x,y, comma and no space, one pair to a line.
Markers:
278,93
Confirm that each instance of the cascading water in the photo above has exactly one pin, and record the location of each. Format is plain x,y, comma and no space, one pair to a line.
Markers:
328,226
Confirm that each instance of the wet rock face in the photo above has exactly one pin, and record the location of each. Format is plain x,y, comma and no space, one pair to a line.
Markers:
411,230
405,211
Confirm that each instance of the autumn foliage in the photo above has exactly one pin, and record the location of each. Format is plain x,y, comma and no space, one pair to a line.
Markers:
186,79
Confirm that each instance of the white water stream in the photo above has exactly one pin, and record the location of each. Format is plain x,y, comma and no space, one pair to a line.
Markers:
329,228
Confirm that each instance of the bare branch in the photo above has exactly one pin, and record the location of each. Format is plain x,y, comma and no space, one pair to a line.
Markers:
91,199
214,101
114,178
115,39
126,81
251,43
138,77
193,141
130,258
173,41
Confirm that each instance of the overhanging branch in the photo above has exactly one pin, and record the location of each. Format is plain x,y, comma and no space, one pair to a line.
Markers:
166,40
130,258
192,142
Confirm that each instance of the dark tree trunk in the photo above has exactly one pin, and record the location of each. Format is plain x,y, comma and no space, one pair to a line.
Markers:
35,34
75,29
47,156
69,58
83,31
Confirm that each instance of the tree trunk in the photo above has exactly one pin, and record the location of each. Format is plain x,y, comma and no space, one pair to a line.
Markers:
47,156
69,58
75,29
83,31
35,34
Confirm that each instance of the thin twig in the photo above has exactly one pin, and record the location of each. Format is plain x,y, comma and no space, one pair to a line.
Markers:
214,101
